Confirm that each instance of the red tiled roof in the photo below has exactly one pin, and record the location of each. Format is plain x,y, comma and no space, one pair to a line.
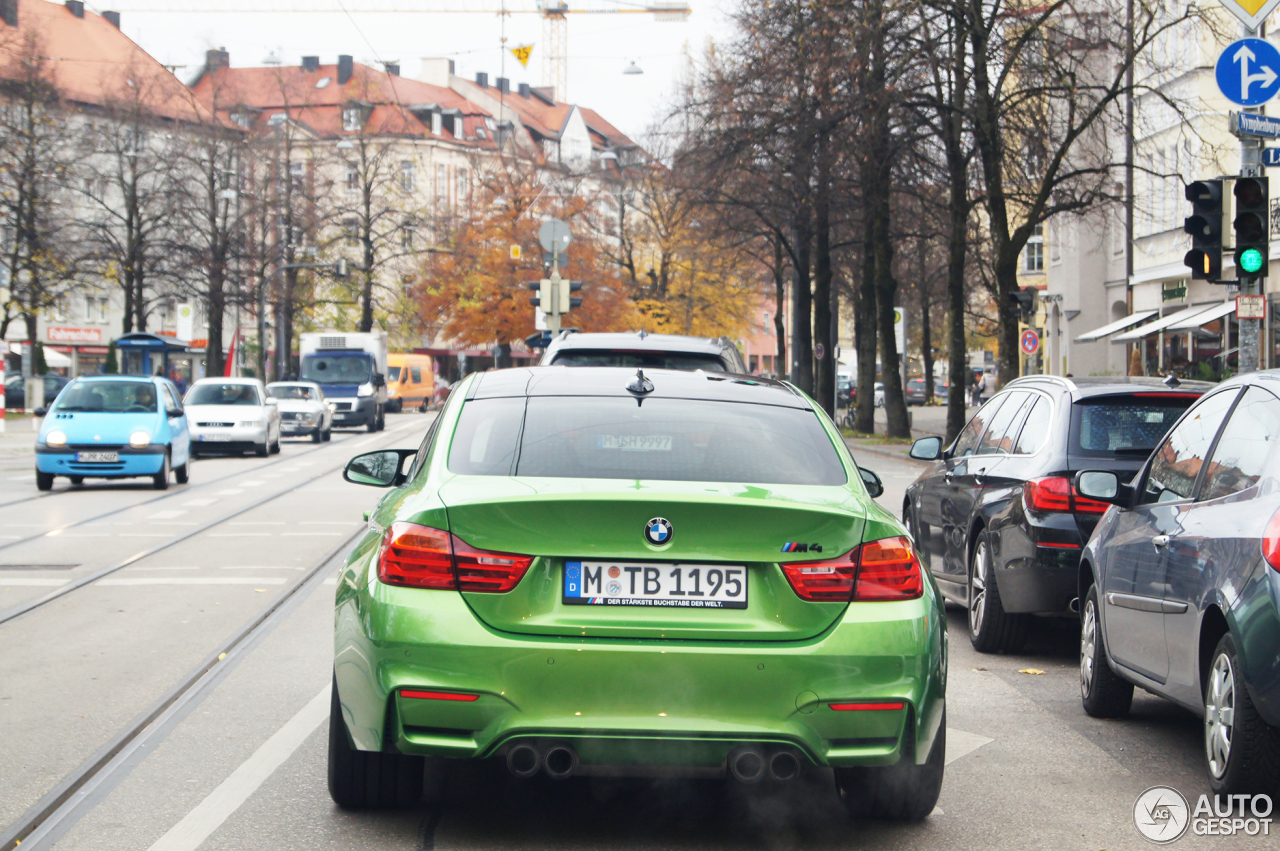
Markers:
299,92
91,62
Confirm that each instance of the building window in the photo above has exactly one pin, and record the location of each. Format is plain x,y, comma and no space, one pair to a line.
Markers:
408,179
353,179
481,133
442,185
464,190
408,234
1033,255
351,230
351,119
437,124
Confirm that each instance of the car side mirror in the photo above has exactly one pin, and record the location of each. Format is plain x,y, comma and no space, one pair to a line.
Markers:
378,469
173,412
1103,486
40,412
872,482
927,449
379,380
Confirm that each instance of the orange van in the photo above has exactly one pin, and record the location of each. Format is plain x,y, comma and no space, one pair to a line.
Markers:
410,381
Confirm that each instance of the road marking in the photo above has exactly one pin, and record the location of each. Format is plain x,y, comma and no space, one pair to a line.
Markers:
256,523
310,534
144,534
19,478
197,825
199,503
961,744
253,484
42,583
161,568
167,515
332,580
240,535
256,567
193,580
325,522
229,492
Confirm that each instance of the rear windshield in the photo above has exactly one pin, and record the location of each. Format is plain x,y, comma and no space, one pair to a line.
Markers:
661,439
1128,425
290,391
218,393
108,397
648,360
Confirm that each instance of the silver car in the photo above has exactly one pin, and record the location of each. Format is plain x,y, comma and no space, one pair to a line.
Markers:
304,412
639,349
232,415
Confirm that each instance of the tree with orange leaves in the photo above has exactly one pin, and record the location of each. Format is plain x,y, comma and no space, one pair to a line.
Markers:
476,293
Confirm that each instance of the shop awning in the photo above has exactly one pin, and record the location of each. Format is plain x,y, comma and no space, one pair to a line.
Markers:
1214,313
56,359
1119,325
1160,324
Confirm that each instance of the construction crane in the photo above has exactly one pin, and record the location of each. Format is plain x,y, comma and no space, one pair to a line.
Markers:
555,23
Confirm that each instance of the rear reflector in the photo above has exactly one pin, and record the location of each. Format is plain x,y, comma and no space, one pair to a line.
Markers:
1057,495
1057,546
438,695
876,571
864,707
422,557
1271,541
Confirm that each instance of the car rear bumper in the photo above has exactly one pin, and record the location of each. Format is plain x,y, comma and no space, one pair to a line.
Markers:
132,462
633,702
1037,565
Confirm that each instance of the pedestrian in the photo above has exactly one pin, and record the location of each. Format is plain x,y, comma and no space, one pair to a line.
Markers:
988,383
975,389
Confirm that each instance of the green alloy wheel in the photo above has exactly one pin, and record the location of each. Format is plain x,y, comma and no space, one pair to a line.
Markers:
585,569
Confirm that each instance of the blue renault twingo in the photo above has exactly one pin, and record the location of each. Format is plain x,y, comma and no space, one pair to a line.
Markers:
115,427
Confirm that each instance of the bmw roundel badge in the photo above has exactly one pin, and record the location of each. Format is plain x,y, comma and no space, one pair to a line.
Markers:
658,531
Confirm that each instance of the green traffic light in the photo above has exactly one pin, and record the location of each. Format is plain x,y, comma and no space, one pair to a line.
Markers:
1250,260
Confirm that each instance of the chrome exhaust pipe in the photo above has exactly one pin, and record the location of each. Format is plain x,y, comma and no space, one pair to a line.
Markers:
1074,605
747,765
524,761
560,762
784,766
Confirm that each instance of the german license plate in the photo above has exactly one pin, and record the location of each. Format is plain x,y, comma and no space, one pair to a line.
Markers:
215,438
683,586
97,457
635,442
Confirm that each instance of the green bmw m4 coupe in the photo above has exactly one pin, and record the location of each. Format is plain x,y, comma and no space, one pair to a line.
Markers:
597,570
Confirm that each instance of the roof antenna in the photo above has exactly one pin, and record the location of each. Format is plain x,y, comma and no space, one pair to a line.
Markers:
643,334
640,384
1172,382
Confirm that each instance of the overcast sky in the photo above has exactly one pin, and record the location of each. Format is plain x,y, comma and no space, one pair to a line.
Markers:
600,46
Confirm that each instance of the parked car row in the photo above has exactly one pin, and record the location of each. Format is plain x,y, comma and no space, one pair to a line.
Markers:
119,426
1153,512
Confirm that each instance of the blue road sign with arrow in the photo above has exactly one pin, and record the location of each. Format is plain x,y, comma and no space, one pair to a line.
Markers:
1248,72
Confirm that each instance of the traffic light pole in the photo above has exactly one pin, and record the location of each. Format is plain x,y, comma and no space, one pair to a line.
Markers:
1250,329
553,315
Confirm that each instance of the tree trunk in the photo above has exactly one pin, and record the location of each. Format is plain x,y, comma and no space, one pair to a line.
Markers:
824,392
864,333
780,294
213,359
502,356
926,330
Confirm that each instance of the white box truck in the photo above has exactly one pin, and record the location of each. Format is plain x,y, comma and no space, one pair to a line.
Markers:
351,368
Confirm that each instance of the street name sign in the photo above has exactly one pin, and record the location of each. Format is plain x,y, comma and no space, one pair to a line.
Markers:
1250,12
1271,156
1248,124
1248,72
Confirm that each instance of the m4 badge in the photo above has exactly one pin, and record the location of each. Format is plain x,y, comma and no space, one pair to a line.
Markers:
801,548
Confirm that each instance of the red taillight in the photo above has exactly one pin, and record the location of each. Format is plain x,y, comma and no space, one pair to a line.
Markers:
422,557
1271,541
878,570
864,707
1056,494
888,570
418,694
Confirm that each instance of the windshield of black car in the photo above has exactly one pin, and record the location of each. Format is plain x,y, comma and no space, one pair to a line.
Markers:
1126,425
686,361
219,393
355,368
108,397
290,391
663,439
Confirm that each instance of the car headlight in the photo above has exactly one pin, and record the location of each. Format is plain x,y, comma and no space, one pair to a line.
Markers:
55,438
365,389
139,439
251,424
313,417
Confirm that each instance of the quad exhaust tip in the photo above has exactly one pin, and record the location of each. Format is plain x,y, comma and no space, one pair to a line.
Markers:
747,765
560,762
784,766
524,761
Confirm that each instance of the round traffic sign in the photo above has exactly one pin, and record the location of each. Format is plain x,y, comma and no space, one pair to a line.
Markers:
1030,342
554,235
1248,72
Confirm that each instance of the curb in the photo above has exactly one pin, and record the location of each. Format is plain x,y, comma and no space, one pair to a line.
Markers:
872,449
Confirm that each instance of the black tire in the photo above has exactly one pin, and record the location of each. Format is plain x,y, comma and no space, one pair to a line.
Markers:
991,628
373,423
1242,755
160,481
328,435
44,481
76,480
1102,693
902,792
275,446
263,450
183,473
361,780
316,436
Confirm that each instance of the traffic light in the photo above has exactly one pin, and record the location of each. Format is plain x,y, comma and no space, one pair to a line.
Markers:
568,301
1251,226
543,297
1025,300
1205,226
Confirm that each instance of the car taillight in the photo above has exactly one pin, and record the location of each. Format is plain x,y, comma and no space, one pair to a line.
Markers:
1271,541
1056,494
423,557
887,569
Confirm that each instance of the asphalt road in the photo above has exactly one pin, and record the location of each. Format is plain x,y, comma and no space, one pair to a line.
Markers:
239,762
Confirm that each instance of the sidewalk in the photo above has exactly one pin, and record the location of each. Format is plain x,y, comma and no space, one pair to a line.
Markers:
925,421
